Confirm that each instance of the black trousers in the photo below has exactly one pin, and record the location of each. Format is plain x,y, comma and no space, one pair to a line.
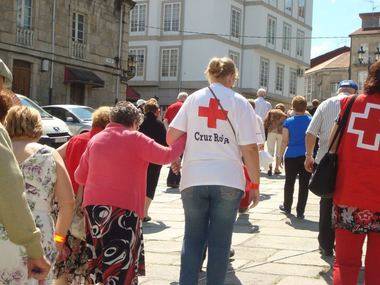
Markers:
326,236
153,174
294,167
173,179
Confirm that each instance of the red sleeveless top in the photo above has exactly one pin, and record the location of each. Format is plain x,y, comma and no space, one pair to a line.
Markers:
358,176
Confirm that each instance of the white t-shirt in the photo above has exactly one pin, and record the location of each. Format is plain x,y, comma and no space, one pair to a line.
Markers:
212,155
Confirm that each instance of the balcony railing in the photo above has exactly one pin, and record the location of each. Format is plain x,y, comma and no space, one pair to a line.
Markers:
78,49
24,37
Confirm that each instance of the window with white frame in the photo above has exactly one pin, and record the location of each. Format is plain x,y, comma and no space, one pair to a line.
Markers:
169,63
235,56
279,77
138,18
24,14
300,46
301,8
334,88
78,28
289,7
172,17
264,72
362,77
271,30
287,35
309,86
273,2
293,82
138,55
235,22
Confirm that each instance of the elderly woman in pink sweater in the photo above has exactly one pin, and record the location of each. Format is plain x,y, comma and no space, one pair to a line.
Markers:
113,169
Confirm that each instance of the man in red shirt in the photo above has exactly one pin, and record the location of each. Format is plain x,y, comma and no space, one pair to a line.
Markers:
174,179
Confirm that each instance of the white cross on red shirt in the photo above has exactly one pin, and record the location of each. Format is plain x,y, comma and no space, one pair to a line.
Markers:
367,127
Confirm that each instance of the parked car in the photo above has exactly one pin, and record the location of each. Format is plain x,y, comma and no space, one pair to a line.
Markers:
55,131
78,118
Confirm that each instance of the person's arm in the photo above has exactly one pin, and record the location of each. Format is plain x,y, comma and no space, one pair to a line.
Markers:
310,141
62,150
158,154
284,143
178,126
81,172
64,195
251,160
173,134
312,132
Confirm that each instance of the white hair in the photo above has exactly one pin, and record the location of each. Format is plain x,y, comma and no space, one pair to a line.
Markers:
182,96
261,92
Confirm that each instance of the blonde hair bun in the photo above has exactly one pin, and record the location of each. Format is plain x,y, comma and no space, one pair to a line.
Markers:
220,68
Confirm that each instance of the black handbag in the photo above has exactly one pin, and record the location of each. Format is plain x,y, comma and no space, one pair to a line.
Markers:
322,182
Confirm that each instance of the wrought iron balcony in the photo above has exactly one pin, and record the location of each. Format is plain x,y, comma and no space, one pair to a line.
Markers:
78,49
24,37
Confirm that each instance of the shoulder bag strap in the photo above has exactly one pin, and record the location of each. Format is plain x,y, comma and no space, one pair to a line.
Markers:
221,107
342,123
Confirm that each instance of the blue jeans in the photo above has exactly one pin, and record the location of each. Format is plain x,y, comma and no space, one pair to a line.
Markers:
210,213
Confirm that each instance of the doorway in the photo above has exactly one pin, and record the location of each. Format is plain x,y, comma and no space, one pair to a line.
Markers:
77,93
22,72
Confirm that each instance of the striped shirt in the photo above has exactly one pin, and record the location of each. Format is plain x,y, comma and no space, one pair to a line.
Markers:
323,121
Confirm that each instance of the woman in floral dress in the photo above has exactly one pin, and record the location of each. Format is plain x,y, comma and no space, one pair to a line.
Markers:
46,180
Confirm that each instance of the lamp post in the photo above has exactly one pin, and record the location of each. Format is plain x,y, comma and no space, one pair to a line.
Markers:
361,53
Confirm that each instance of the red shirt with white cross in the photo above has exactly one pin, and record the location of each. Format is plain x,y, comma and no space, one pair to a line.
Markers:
359,155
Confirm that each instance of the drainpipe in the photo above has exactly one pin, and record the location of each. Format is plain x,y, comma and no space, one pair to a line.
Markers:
52,53
119,52
242,48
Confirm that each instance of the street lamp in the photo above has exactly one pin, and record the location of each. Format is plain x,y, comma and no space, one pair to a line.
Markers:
131,63
361,53
377,53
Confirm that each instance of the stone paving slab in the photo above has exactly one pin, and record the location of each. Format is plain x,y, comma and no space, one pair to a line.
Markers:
284,250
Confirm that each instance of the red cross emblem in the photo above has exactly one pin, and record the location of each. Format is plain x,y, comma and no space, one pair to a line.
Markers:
368,134
212,113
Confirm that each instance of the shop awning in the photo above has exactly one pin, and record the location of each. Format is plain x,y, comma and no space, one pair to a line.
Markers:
87,77
131,94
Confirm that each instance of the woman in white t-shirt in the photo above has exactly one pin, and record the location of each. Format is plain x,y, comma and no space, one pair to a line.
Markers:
218,136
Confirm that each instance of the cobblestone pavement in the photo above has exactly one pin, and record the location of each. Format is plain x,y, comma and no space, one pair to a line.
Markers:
283,252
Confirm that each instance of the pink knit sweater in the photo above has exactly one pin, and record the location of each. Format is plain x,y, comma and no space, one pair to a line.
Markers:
113,168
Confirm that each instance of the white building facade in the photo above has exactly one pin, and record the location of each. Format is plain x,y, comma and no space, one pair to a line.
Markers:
173,41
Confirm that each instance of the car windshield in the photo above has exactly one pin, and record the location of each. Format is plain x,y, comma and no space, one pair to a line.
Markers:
83,113
31,104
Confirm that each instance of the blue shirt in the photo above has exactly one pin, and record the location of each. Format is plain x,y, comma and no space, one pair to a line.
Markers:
297,126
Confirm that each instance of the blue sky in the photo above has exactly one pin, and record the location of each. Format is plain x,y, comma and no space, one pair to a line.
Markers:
336,18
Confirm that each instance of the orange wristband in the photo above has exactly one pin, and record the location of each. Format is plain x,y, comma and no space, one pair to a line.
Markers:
59,239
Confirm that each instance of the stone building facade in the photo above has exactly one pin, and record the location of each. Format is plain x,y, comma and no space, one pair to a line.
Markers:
365,47
83,62
321,81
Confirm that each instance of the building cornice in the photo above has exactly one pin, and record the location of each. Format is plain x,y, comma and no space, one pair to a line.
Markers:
217,38
278,11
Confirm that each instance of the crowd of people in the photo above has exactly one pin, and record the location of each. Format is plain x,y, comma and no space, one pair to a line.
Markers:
75,214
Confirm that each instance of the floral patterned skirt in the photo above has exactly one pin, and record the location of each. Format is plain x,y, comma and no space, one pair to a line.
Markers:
115,245
73,264
355,220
